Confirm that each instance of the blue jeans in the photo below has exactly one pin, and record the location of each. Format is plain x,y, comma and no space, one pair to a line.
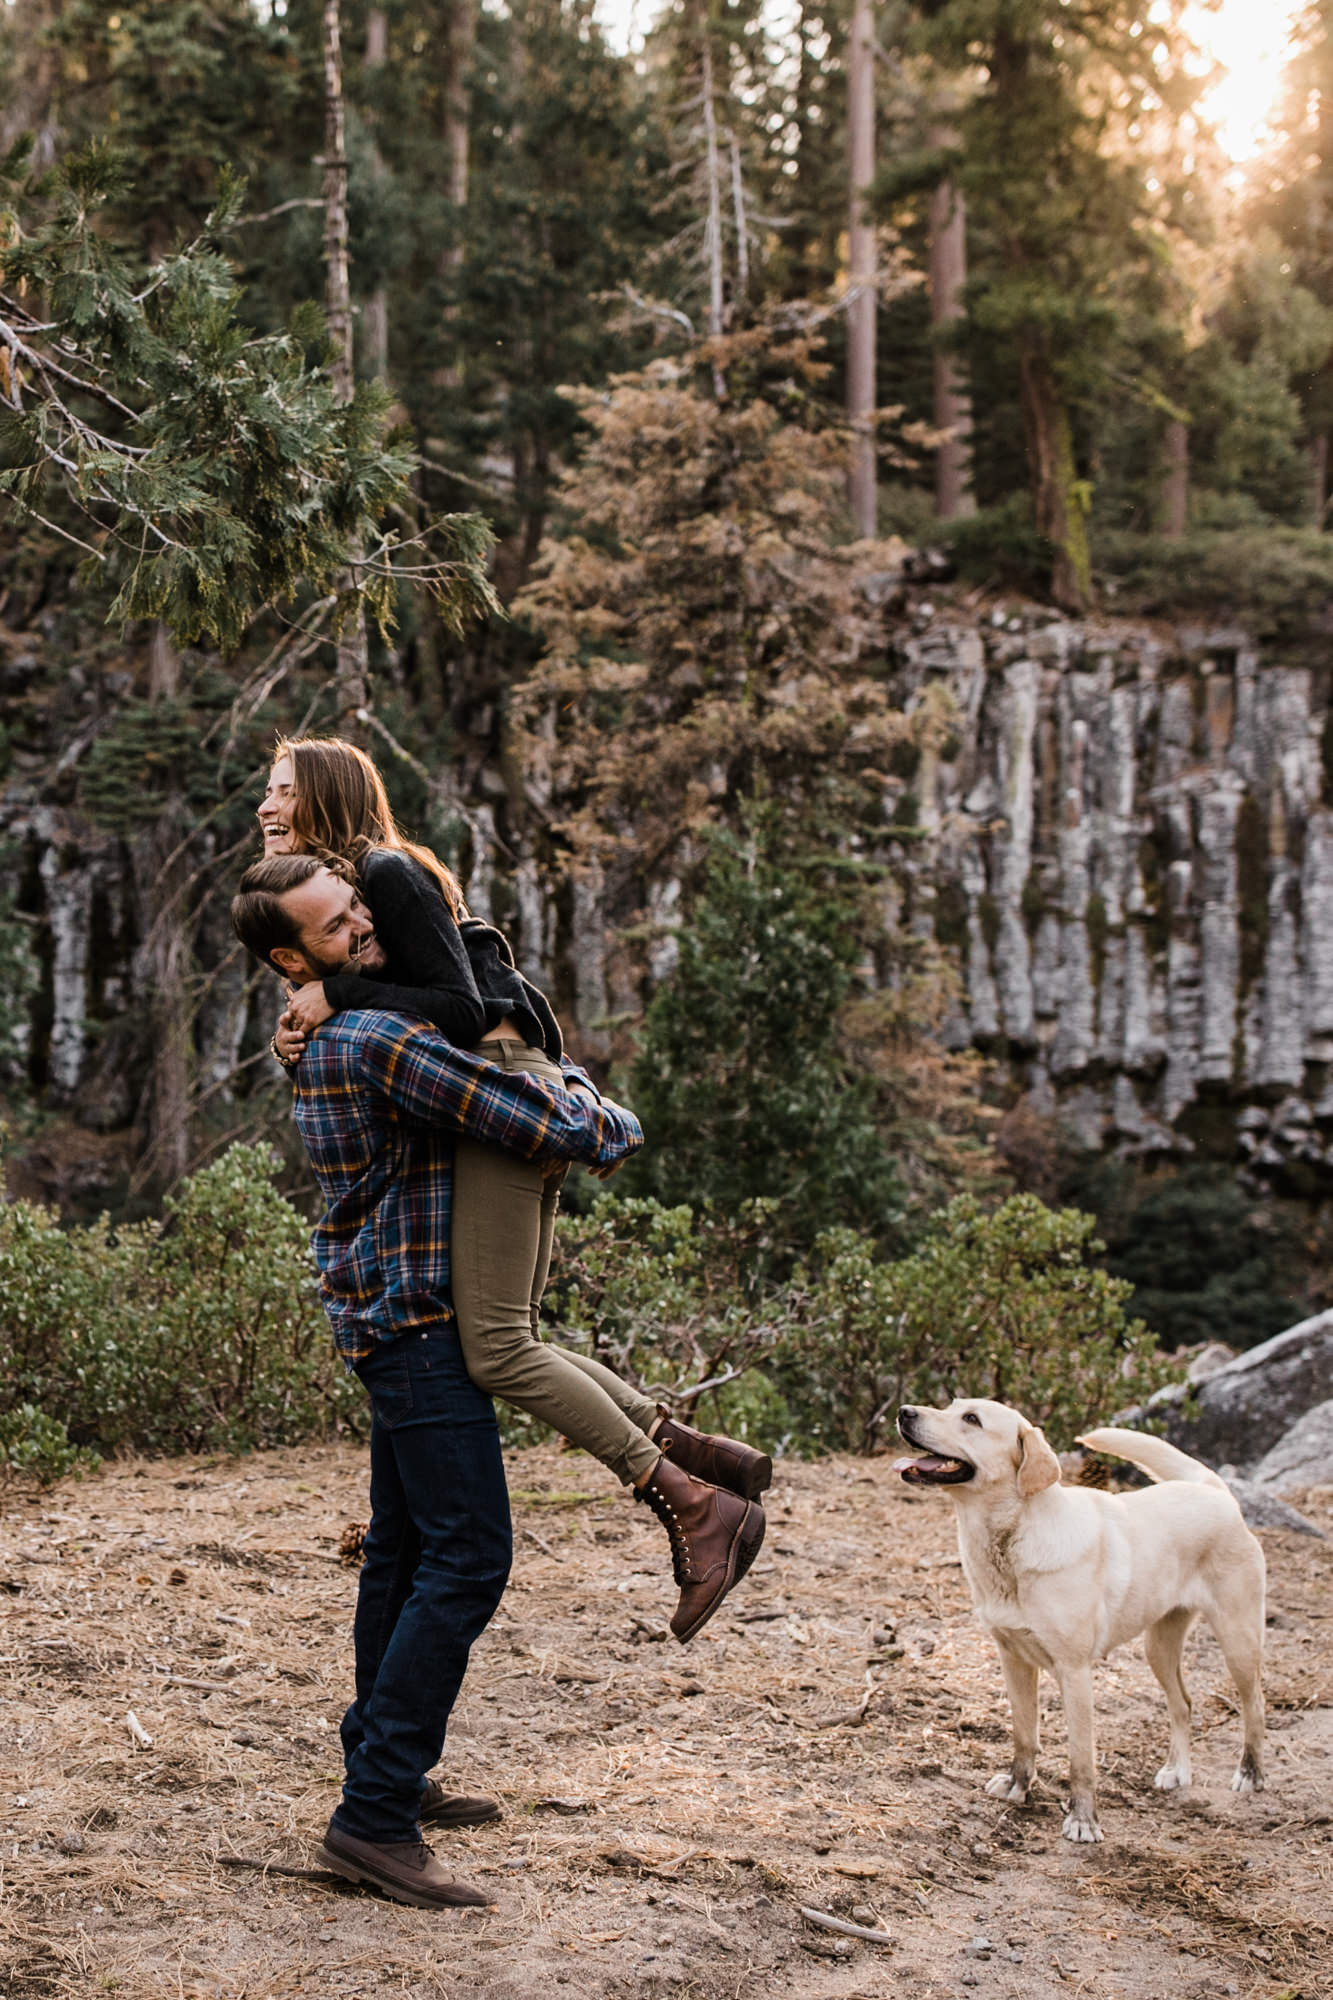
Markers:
437,1558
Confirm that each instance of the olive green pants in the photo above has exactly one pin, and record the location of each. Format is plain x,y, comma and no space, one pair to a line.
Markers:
503,1222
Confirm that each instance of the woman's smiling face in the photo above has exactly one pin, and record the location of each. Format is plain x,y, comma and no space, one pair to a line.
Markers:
275,808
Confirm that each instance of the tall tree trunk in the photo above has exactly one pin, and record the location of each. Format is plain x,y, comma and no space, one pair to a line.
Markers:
29,103
1175,481
376,315
713,217
337,284
742,230
352,667
460,42
1319,480
1056,499
953,404
163,869
861,263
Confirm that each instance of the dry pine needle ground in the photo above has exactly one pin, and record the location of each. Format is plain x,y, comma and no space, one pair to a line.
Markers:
668,1812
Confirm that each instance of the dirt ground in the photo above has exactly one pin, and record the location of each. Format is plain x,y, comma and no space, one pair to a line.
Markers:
668,1812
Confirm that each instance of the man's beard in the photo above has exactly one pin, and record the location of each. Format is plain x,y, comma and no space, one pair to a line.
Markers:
328,969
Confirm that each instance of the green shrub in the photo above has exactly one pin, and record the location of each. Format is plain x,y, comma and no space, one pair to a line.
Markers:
1275,581
203,1330
1004,1304
669,1299
38,1447
1000,545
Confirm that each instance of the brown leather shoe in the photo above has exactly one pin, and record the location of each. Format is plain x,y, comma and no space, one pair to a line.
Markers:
715,1536
721,1461
451,1809
407,1871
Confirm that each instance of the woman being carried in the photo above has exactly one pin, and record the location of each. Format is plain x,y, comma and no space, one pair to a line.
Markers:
326,797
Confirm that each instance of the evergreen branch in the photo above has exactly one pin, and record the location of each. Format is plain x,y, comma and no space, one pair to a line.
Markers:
430,779
268,214
491,491
46,366
56,529
274,668
656,309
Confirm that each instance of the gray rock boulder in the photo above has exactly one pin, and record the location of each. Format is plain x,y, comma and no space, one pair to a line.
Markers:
1243,1410
1302,1458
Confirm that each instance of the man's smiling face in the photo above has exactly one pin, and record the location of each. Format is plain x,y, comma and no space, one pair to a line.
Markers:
334,927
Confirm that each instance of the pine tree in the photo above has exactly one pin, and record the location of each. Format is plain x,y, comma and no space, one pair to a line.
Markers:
1065,233
205,471
499,306
1296,201
739,1079
707,633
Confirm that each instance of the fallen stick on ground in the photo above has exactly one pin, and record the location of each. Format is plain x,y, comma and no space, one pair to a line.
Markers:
276,1868
824,1922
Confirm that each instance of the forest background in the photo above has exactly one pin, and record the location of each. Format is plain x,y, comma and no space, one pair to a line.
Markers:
565,425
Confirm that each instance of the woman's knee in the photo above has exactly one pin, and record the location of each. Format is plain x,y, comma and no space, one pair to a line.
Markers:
494,1360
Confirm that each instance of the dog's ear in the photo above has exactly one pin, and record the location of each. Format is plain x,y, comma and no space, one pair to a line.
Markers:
1038,1466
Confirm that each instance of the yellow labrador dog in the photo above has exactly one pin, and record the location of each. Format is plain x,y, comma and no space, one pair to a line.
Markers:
1062,1574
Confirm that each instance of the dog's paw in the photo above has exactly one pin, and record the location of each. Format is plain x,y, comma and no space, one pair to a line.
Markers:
1173,1778
1080,1826
1004,1785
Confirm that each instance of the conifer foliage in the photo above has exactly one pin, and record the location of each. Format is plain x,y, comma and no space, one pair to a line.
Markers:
740,1082
207,469
706,635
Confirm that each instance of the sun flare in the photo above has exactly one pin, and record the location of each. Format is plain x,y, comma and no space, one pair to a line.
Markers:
1252,41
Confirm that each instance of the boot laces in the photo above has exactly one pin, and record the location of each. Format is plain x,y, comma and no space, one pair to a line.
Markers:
667,1515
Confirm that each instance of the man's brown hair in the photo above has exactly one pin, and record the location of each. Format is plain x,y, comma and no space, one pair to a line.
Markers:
259,917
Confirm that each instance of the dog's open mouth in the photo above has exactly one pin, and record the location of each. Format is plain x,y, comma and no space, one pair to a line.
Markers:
930,1470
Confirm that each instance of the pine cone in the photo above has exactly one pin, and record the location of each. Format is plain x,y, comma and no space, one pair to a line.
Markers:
352,1543
1095,1472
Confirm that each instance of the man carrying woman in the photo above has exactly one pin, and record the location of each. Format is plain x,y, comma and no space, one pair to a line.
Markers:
381,1101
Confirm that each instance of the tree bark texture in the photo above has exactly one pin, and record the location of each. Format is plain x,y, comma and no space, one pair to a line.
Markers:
1319,480
1058,507
953,404
861,267
738,211
713,216
460,42
376,315
351,665
337,283
30,102
1175,481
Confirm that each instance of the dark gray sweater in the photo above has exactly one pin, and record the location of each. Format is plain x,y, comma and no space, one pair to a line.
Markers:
460,977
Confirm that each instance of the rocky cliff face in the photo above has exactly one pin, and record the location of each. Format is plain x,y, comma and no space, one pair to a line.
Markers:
1127,842
1132,852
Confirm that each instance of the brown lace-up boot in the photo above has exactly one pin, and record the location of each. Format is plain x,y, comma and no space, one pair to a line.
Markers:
715,1536
721,1461
407,1871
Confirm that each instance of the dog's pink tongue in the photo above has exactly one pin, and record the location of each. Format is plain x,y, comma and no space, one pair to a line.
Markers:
927,1467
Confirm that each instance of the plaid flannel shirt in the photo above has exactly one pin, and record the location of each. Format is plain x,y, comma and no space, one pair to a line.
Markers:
380,1100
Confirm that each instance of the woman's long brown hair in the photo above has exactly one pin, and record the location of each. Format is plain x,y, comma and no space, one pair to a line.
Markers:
340,809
